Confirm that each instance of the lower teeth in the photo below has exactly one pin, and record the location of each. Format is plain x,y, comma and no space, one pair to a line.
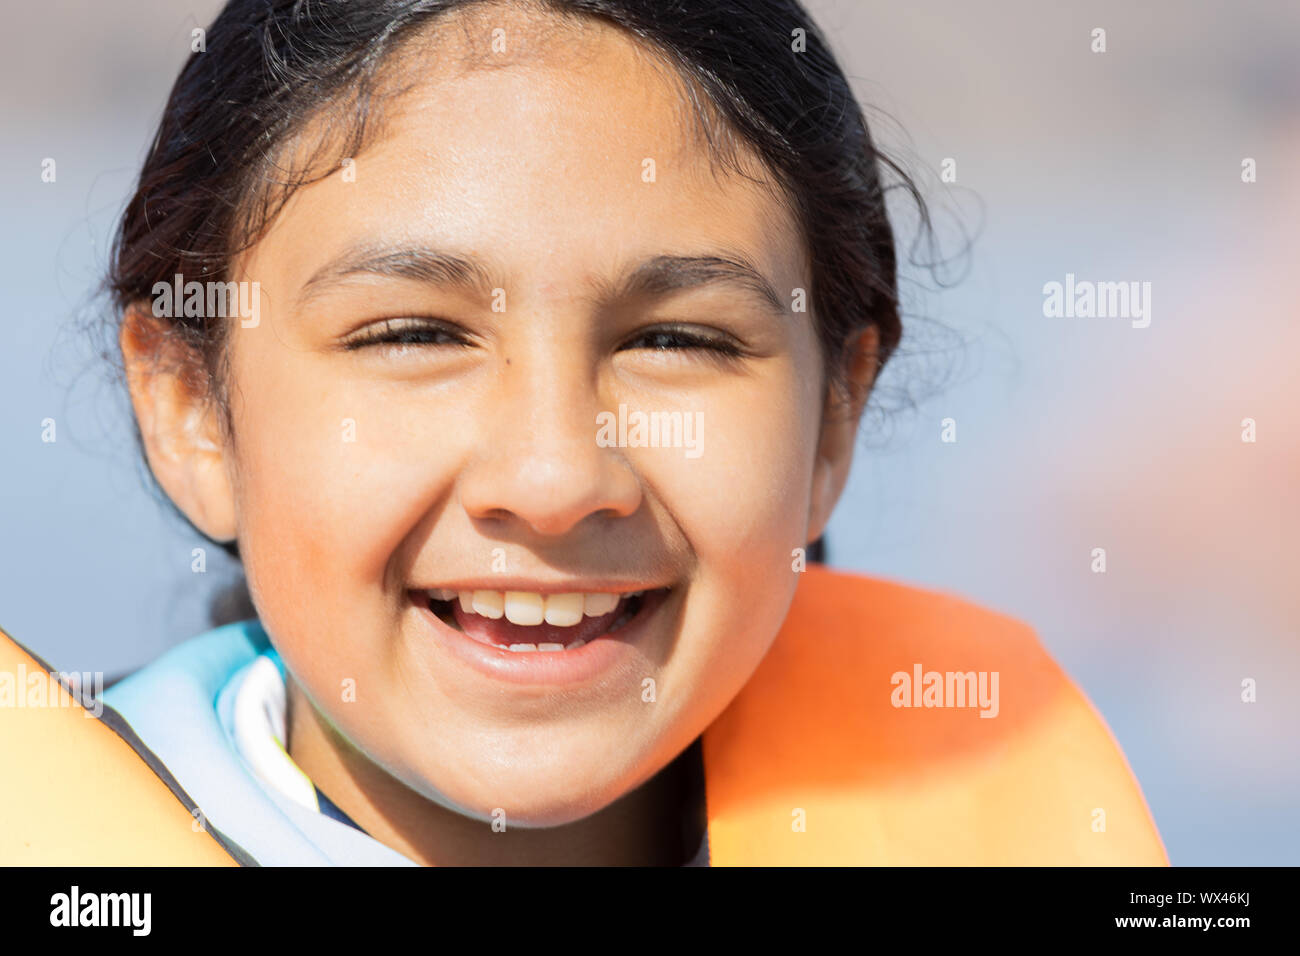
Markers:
517,648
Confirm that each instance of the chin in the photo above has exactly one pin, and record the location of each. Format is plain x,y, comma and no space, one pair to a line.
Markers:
547,791
529,803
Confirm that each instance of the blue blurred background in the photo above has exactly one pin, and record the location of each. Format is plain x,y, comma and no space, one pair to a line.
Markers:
1072,434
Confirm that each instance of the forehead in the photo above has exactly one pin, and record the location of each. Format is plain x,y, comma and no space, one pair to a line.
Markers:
560,145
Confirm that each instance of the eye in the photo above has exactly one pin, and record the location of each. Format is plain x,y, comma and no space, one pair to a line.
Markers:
408,332
678,338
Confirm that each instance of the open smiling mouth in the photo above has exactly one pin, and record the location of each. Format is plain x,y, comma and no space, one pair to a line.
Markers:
526,621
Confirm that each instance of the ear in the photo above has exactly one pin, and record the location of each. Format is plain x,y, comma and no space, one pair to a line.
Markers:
840,417
183,441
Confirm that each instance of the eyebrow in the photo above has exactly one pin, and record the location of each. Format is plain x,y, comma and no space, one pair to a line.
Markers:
405,262
655,277
662,275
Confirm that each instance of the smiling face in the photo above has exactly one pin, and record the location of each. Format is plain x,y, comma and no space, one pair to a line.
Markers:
532,247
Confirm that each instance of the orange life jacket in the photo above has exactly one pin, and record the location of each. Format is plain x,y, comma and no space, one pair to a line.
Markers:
858,740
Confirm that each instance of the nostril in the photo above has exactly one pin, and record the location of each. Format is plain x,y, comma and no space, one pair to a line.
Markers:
551,489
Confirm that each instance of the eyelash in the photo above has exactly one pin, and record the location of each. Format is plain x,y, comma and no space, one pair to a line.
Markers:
426,332
688,340
407,332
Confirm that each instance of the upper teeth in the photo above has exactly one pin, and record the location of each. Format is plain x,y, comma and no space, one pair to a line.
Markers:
531,608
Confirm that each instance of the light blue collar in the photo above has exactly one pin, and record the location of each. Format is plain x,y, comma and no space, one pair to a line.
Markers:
181,706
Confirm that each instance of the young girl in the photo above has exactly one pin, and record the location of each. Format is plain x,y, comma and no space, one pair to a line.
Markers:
518,350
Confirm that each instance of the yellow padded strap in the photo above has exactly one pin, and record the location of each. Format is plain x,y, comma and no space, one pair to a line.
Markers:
74,792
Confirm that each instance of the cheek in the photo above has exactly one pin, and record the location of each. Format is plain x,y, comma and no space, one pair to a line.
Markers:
331,480
743,502
742,506
307,491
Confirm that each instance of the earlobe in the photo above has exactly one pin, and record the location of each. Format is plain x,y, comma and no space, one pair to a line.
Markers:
178,423
840,417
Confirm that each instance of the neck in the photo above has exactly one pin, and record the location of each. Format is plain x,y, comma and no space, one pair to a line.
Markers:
659,824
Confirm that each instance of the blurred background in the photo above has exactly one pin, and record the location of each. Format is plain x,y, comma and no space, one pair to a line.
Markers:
1072,433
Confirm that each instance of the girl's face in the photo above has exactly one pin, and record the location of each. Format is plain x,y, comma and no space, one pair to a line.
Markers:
543,240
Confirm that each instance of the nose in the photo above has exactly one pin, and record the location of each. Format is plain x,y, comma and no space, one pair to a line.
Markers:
538,462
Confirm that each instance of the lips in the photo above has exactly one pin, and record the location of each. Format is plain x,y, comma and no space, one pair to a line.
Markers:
524,622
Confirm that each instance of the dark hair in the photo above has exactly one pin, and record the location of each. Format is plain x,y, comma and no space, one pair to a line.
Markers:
216,172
